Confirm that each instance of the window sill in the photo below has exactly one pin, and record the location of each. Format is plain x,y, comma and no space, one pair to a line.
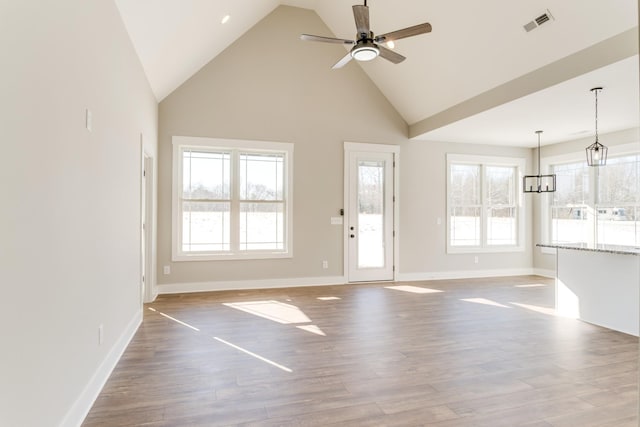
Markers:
231,257
484,250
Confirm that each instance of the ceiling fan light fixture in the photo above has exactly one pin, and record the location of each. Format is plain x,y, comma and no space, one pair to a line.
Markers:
365,52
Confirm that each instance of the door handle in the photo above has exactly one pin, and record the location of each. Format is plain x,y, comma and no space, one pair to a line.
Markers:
353,235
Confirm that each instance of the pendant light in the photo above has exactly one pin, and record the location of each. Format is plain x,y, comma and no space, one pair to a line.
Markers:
596,152
539,183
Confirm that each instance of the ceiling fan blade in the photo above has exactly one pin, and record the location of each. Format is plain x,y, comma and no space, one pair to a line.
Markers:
345,59
310,38
390,55
361,16
405,32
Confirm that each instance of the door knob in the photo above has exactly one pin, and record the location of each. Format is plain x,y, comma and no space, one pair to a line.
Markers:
353,235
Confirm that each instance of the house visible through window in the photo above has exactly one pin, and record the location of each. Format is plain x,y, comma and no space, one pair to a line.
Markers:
595,205
484,212
232,199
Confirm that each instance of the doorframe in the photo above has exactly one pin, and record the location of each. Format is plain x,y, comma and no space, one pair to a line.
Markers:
352,147
147,253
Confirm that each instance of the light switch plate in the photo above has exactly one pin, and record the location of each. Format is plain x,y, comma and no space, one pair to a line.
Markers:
336,220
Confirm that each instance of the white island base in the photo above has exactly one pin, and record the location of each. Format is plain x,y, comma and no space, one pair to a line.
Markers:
599,285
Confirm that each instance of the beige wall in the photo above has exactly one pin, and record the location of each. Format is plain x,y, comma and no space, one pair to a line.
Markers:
70,245
270,85
423,196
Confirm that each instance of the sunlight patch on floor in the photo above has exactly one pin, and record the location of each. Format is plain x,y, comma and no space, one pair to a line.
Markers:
328,298
536,308
272,310
174,319
484,301
252,354
413,289
314,329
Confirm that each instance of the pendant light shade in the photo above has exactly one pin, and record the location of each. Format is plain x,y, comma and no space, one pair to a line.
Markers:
596,152
539,183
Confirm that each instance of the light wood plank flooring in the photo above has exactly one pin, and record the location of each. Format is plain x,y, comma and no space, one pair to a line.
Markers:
481,352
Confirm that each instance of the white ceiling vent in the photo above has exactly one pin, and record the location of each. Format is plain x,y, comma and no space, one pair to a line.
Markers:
545,17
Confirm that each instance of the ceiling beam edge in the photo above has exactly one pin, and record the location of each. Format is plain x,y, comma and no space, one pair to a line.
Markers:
596,56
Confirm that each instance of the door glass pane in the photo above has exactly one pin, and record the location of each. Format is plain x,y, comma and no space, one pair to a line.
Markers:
371,214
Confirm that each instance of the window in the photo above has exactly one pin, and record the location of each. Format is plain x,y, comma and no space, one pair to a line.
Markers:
595,205
231,199
483,202
618,207
570,203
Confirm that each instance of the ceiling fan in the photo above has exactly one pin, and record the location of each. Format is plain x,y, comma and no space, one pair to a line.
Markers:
366,46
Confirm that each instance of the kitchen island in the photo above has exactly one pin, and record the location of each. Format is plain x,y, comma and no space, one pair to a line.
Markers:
599,285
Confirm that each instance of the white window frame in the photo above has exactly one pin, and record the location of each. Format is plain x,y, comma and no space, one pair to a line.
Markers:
545,167
181,143
484,161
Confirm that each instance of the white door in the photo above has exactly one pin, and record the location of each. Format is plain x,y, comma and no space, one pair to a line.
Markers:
370,216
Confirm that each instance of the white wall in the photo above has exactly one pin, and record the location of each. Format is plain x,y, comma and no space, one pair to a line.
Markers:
70,215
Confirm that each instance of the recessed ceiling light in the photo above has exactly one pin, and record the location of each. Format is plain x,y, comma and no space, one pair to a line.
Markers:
391,44
225,19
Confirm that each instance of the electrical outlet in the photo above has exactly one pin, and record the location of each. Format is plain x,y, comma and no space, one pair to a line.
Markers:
166,269
475,259
325,264
100,334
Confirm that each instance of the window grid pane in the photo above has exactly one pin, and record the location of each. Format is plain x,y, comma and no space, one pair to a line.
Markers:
501,208
205,226
261,176
617,220
206,175
570,213
261,226
465,226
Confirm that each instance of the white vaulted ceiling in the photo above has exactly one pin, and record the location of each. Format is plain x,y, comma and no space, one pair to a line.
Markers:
470,80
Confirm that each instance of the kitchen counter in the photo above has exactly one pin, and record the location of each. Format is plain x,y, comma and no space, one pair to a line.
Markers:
599,285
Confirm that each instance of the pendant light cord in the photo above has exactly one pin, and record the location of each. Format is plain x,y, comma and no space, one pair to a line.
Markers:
596,91
538,132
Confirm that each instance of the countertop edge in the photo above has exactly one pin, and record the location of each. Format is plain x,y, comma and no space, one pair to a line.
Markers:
616,250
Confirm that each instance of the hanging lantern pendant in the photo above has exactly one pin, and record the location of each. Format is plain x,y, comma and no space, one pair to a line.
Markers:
596,152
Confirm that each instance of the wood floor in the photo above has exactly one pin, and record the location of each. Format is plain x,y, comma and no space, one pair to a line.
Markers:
481,352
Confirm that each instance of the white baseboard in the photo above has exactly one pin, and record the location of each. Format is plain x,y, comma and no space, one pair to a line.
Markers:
234,285
551,274
461,274
87,398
